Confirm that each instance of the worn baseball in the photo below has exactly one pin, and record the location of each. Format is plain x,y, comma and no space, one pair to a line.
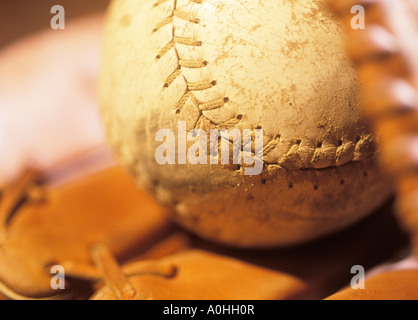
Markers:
276,71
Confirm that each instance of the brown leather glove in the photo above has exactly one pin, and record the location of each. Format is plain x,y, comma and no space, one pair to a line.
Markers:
395,285
42,226
195,275
385,53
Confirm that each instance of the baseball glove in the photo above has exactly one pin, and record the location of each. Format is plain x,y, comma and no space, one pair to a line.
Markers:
42,225
394,285
385,53
194,275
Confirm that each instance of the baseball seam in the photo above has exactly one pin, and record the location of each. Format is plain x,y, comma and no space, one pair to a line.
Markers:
184,63
297,153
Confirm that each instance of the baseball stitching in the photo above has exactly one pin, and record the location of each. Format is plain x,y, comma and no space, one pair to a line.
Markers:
295,154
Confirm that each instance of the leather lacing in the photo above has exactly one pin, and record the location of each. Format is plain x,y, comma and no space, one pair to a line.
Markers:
28,189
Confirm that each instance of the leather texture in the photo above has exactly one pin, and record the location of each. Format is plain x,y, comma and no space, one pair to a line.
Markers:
201,275
395,285
115,242
55,225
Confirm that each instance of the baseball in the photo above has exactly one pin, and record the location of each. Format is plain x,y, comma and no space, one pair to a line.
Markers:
241,115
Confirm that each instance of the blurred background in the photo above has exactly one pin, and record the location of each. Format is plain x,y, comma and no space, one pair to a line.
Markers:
48,84
21,17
